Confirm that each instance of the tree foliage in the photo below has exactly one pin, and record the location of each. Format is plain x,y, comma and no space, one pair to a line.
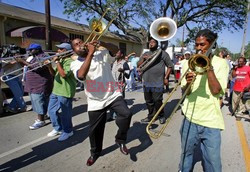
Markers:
247,51
135,16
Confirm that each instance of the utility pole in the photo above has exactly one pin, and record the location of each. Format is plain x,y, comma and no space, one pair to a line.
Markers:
182,41
245,31
48,25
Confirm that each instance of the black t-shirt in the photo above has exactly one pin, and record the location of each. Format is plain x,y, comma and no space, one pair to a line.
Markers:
154,75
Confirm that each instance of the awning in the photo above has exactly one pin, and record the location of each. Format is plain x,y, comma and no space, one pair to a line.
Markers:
37,32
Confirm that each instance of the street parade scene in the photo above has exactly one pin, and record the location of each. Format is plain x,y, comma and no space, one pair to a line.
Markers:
125,85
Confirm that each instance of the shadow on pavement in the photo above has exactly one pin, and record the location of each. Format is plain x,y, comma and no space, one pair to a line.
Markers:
42,151
137,131
79,110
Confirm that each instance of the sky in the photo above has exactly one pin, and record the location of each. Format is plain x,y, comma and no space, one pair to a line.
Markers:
232,41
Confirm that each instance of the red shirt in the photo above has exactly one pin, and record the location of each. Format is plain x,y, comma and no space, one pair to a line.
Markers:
242,79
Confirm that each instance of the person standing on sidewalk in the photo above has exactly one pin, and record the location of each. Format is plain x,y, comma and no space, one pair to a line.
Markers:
62,96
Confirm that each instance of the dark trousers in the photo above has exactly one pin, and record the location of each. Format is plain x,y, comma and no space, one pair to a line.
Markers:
97,120
153,97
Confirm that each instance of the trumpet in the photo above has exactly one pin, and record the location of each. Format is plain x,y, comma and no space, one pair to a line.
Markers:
198,63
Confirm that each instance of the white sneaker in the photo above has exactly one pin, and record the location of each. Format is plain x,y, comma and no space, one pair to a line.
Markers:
54,133
65,136
37,124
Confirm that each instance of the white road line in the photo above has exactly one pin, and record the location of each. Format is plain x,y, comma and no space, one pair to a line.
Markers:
22,147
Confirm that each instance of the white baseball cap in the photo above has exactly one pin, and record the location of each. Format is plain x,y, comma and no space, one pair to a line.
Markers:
187,52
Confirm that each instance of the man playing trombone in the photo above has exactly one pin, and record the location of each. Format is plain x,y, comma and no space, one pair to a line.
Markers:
10,70
203,120
93,68
38,84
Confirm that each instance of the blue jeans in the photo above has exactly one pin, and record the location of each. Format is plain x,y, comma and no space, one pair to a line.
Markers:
136,73
63,120
210,141
39,103
16,88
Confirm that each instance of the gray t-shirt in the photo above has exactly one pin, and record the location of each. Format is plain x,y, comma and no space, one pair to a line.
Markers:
154,75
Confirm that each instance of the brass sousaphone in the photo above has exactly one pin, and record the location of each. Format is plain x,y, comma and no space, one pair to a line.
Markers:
162,29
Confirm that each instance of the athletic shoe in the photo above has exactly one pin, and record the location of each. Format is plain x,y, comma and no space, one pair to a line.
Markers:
54,133
65,136
37,124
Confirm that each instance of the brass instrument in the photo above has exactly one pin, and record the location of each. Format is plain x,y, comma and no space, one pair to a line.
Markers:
145,65
198,63
98,28
24,56
162,29
37,65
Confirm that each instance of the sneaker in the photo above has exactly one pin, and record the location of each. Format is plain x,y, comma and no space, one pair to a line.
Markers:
54,133
37,124
65,136
26,109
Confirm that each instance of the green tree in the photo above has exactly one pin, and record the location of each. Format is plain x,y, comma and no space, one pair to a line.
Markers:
247,51
135,16
219,49
179,43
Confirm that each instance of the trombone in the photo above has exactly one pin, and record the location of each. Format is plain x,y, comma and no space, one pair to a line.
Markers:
97,26
35,65
198,63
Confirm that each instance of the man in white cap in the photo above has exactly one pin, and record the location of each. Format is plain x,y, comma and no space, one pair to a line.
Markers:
187,55
62,95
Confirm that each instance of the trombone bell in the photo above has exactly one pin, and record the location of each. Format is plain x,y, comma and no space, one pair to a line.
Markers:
97,26
163,29
199,63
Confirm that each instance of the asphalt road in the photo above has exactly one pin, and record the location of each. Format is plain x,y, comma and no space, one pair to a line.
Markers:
22,149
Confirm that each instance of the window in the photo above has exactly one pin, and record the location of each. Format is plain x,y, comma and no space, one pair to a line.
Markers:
123,47
74,36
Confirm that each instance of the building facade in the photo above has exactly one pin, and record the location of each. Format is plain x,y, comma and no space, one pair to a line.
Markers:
21,27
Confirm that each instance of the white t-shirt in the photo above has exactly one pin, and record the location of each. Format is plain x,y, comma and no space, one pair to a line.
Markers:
100,86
